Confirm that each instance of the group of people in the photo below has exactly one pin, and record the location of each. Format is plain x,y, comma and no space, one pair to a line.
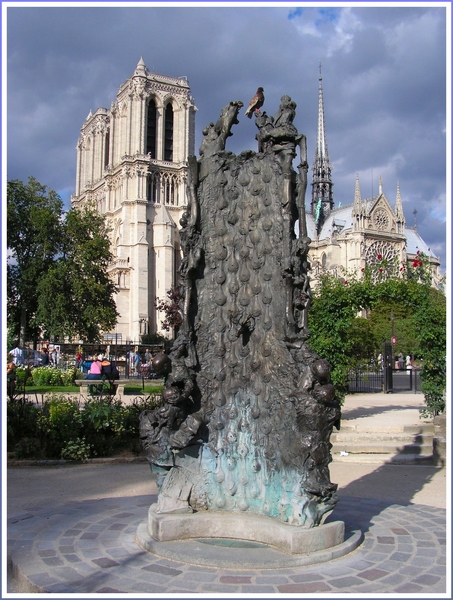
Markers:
49,357
402,363
101,367
140,365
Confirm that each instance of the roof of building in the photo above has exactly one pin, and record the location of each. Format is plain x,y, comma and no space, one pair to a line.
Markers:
342,219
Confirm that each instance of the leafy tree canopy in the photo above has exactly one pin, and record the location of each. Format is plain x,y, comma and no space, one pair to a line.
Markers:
58,281
340,335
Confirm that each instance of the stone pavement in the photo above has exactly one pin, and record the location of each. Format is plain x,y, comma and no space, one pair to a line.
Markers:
77,534
89,547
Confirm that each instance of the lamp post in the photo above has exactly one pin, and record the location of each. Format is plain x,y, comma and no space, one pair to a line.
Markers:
392,318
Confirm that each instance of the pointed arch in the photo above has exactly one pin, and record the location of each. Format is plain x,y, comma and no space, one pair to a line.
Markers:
168,131
152,187
151,127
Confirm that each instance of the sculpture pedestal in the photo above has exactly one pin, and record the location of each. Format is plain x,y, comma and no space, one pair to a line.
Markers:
255,541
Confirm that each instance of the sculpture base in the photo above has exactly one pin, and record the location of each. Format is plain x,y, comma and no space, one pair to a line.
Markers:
234,540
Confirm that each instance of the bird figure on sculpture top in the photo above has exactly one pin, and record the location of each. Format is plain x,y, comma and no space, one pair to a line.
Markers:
255,103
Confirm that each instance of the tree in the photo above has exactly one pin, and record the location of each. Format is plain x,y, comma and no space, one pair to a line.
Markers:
172,308
57,266
404,326
33,238
76,295
420,318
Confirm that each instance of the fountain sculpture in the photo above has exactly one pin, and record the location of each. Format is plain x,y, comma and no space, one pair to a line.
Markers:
248,407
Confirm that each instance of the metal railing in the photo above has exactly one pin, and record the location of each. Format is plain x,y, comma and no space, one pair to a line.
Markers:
369,381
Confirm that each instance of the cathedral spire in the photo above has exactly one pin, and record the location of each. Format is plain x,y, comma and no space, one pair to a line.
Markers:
357,208
399,208
322,196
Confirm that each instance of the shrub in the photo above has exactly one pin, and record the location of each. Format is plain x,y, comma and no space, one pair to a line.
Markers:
62,430
106,425
77,449
21,422
47,376
23,376
60,422
69,376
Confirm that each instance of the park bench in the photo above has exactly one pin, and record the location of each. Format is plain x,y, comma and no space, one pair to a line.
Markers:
116,385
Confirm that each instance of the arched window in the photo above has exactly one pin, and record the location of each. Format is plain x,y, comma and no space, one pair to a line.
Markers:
151,129
168,142
107,148
151,188
324,260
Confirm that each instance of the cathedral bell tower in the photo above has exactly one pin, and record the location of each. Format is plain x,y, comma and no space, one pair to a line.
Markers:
322,193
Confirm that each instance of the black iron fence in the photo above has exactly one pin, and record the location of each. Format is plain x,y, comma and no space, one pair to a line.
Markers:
367,380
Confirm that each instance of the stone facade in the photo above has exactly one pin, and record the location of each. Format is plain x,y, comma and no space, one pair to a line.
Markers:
353,236
132,164
345,239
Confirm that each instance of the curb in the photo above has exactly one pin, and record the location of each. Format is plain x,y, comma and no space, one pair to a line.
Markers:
62,462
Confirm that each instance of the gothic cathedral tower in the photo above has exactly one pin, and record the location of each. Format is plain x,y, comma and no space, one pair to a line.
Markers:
322,192
132,165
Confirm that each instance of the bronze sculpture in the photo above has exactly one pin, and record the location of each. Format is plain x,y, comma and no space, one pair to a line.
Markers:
248,407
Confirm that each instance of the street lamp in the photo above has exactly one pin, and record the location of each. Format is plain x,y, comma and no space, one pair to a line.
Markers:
392,318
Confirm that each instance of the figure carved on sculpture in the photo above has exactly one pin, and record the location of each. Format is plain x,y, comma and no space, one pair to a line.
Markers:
248,407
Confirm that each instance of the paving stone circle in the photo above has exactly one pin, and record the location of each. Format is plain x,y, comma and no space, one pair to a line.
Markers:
90,547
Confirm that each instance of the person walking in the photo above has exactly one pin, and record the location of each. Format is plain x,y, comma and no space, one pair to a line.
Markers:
137,361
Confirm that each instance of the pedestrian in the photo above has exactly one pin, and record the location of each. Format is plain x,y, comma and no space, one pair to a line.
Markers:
78,359
401,360
408,362
45,359
10,368
54,357
131,361
18,356
10,374
137,361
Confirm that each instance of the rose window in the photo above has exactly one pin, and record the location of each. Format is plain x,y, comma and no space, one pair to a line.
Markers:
382,257
381,219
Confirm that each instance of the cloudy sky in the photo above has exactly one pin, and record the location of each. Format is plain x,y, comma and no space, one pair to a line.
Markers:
384,80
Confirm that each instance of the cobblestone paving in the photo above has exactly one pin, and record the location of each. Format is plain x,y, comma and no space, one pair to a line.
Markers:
89,547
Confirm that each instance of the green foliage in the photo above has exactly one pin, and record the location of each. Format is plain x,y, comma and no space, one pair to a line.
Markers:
21,422
69,376
61,429
33,238
340,334
77,449
46,376
57,280
151,339
76,295
23,376
60,422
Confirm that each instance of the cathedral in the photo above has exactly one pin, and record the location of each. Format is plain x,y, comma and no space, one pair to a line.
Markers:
132,162
132,165
362,233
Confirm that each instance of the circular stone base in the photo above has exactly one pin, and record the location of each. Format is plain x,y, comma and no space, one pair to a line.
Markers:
239,541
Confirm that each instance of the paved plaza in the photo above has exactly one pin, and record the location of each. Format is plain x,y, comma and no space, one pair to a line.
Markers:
72,530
